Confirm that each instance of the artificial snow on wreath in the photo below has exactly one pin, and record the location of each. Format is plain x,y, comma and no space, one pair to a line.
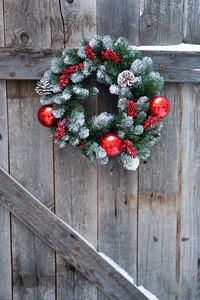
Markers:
126,136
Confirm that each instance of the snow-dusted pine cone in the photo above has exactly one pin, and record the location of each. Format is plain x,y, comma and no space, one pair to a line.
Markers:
43,87
126,79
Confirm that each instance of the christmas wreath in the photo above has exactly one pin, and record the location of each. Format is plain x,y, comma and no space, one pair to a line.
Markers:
126,136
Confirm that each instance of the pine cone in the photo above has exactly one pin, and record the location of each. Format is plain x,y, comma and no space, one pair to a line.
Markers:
43,87
126,79
82,144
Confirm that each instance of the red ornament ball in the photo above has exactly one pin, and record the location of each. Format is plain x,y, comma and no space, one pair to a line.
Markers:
112,144
46,117
159,106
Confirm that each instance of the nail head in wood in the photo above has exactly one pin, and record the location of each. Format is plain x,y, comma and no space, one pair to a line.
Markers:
27,64
172,56
171,76
70,1
162,67
12,52
12,74
41,54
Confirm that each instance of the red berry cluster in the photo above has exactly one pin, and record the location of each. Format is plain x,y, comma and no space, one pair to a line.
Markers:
111,55
60,130
151,121
132,108
65,75
129,148
90,53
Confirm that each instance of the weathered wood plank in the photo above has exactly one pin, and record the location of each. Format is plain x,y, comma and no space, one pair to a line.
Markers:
117,188
118,18
158,193
5,253
25,63
31,163
30,149
75,179
5,245
161,22
191,13
174,66
189,231
65,240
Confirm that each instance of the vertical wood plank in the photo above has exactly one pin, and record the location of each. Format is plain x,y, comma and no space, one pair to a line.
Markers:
75,179
161,22
119,18
191,22
157,207
31,165
189,266
27,24
117,187
5,250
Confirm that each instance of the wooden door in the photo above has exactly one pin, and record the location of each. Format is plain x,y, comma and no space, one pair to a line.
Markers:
147,221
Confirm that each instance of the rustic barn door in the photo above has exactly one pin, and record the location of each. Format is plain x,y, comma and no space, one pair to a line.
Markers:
147,221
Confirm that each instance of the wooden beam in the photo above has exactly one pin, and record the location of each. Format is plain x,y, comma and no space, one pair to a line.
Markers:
174,66
96,267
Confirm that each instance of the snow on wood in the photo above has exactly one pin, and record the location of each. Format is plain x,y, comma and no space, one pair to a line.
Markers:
117,268
176,48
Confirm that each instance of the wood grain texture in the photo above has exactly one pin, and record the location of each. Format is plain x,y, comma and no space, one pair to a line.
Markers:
161,22
158,193
79,20
31,163
5,245
191,11
29,64
62,238
188,274
27,24
25,63
119,18
75,179
117,188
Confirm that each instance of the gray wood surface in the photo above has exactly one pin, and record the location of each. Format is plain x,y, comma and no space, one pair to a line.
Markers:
188,206
5,245
76,179
119,18
25,63
27,24
165,22
65,240
158,193
117,188
31,162
161,22
166,28
17,63
191,11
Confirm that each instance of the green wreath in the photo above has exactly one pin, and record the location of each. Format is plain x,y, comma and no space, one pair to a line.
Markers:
126,136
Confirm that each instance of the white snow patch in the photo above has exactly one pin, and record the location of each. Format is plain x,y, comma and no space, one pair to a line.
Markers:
179,47
148,294
82,238
117,267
